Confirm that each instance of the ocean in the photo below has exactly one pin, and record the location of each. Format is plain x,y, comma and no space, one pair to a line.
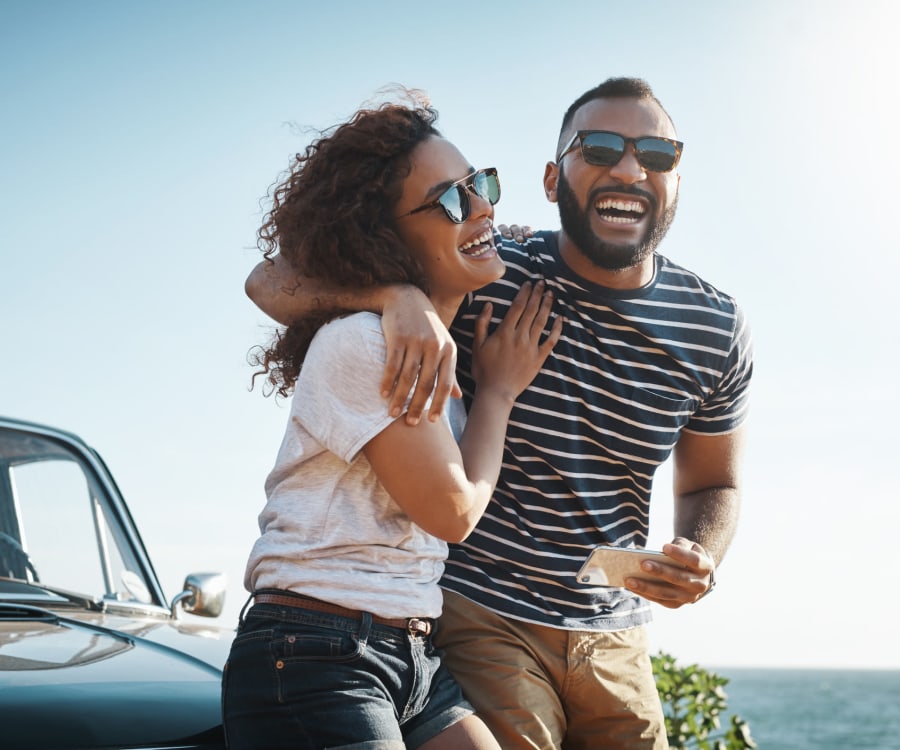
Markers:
813,709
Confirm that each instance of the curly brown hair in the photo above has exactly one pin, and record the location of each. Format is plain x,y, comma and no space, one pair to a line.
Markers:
332,218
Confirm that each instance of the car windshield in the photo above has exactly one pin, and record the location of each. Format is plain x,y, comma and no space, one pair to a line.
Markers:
59,528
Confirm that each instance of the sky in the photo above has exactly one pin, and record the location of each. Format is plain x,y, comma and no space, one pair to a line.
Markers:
139,142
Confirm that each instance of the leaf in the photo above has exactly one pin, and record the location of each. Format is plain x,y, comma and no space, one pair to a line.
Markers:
693,702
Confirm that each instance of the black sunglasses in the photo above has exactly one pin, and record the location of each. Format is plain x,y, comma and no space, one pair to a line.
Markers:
603,148
455,199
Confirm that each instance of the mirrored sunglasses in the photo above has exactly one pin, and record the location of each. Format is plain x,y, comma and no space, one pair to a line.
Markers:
455,199
603,148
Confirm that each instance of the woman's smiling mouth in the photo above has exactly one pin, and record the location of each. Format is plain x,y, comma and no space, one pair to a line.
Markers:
479,245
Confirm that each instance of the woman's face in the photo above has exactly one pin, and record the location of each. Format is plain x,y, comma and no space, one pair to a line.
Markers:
457,258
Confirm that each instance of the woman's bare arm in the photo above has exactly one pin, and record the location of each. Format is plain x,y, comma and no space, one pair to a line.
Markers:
420,350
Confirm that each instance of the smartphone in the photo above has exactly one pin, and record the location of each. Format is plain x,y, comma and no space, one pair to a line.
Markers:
610,566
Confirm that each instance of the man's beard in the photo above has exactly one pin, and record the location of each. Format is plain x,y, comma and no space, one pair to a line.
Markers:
576,223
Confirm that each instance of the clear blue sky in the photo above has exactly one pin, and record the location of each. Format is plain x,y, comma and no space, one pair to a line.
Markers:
138,140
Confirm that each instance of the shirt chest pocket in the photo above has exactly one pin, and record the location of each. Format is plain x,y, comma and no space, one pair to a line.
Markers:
647,423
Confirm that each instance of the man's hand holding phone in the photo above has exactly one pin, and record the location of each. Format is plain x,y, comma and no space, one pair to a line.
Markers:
687,580
681,573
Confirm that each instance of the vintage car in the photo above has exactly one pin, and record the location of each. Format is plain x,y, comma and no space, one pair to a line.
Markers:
91,653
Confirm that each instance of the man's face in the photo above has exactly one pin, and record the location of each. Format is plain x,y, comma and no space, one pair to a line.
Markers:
616,215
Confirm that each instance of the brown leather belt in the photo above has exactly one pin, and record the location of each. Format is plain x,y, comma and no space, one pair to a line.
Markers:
413,625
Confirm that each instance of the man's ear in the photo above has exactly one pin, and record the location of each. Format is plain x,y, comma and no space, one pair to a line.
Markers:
551,177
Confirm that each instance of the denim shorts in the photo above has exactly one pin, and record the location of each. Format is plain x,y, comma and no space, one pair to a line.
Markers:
297,678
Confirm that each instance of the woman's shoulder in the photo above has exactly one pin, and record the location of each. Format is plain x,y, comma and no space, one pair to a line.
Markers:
355,326
351,336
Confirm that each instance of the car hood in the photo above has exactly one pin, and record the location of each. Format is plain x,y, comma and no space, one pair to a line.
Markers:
80,680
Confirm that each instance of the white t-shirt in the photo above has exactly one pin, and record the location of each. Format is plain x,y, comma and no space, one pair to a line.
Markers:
329,529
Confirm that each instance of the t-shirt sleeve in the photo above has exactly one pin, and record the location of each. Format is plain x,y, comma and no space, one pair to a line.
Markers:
337,396
727,407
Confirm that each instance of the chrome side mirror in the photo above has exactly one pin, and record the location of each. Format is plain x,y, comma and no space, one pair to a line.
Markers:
203,595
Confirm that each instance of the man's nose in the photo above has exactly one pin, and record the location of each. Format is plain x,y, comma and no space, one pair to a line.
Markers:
628,169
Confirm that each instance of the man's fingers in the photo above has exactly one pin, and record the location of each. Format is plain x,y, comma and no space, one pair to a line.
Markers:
392,365
426,372
445,387
420,354
515,232
403,384
688,553
424,387
669,585
662,594
521,233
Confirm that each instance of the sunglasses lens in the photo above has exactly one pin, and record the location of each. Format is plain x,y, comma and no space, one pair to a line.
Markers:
602,149
487,186
656,155
455,203
455,200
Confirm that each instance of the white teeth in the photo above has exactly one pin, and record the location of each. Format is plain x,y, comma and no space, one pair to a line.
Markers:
620,205
482,239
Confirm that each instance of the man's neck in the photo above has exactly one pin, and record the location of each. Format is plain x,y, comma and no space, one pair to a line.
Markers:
633,277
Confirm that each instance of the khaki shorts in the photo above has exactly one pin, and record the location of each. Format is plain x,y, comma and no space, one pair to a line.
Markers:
542,687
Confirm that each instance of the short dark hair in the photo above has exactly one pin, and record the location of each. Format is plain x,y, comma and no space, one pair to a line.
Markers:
611,88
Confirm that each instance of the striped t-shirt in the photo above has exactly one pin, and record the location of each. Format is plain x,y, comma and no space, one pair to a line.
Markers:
632,370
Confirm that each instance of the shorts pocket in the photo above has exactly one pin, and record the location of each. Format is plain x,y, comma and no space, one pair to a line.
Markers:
314,643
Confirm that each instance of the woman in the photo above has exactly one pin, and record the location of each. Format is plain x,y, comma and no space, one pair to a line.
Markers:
336,650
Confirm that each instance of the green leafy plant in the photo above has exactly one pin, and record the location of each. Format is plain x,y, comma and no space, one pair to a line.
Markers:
693,701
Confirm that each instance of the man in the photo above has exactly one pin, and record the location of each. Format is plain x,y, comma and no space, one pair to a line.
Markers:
652,359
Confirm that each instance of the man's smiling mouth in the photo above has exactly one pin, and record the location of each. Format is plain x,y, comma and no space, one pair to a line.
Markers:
619,211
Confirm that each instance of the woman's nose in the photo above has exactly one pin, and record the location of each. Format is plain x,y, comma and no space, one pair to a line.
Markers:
478,206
